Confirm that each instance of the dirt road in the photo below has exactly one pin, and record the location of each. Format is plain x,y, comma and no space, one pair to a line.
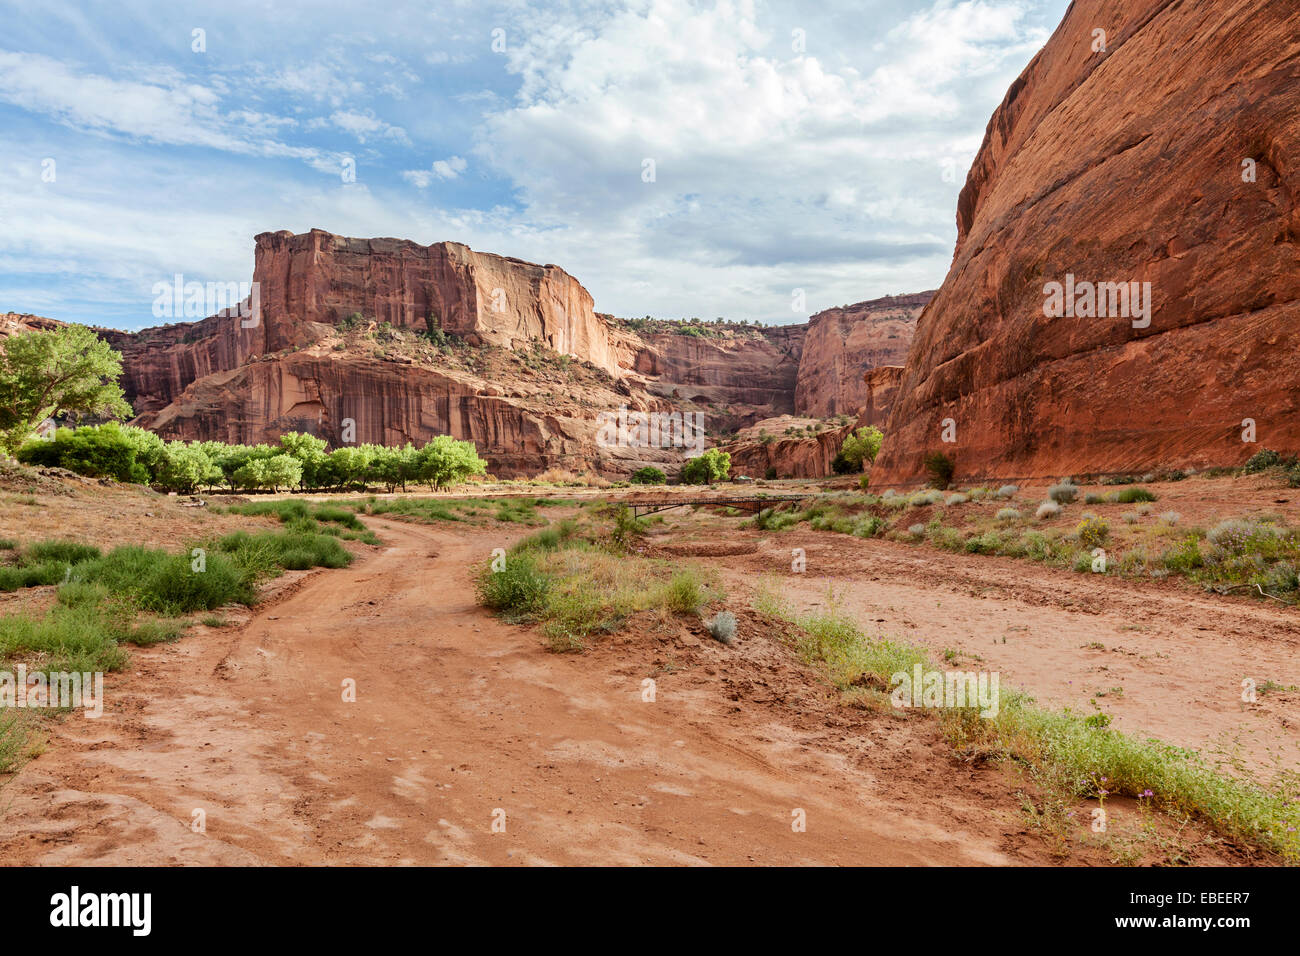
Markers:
461,722
1162,659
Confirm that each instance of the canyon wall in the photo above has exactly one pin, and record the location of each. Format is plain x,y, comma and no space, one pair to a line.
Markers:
300,365
1171,157
842,345
757,368
483,298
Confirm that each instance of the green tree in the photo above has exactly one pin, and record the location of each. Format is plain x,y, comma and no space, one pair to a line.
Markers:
281,471
69,371
444,461
250,475
713,465
184,467
859,447
310,452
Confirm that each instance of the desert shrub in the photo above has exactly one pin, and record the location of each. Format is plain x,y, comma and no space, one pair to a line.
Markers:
940,468
955,500
1262,460
68,552
1128,496
685,592
723,627
649,475
1008,514
918,530
1092,532
1064,492
1048,509
923,498
1007,491
867,526
1184,557
1144,510
31,576
1129,517
519,588
1237,537
1170,518
1037,545
990,542
1093,498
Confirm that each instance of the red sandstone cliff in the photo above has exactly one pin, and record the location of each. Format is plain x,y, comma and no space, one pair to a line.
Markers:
843,345
299,366
1128,165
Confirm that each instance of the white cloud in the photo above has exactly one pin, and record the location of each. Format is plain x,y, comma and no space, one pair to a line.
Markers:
366,126
176,113
449,168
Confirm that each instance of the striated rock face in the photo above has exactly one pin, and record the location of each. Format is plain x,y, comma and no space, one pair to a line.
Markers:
842,345
482,298
1171,158
782,455
297,367
880,391
757,369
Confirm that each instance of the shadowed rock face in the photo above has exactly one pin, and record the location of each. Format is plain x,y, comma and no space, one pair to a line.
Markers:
843,345
1123,166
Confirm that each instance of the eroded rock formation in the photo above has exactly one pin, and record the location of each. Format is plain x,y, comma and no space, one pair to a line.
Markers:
303,363
1170,157
843,345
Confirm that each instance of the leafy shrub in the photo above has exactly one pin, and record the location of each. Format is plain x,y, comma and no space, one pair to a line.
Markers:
1262,460
649,475
1184,557
1092,532
940,468
520,587
867,526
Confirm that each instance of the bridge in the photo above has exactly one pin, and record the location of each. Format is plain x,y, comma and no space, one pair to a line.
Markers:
747,503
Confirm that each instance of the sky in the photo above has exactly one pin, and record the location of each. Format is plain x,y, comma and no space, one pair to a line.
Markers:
733,158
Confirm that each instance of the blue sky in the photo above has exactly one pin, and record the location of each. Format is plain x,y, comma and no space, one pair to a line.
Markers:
796,145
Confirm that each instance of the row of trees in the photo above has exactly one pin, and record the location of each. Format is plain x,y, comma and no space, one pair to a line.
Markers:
300,461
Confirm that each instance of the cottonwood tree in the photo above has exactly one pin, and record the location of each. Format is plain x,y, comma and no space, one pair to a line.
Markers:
69,371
